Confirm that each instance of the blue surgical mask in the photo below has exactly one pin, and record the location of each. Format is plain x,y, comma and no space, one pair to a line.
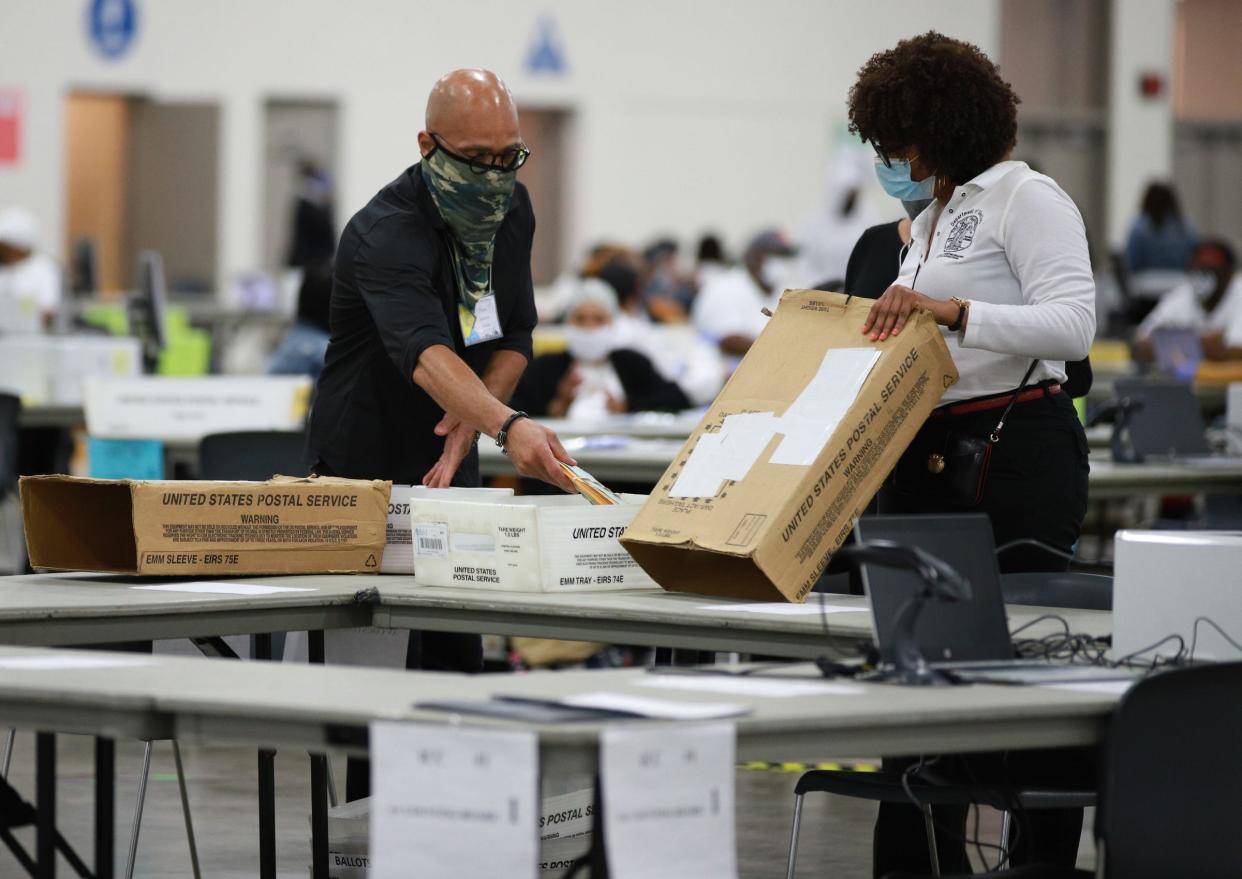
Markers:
895,179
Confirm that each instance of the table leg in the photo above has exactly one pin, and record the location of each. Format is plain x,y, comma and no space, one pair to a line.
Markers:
319,781
105,808
45,787
267,785
267,814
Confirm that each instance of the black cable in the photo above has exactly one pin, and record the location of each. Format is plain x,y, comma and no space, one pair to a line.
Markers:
1128,659
956,837
1056,551
1040,619
1194,637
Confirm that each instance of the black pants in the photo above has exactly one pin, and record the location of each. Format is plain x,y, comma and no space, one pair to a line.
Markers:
1036,488
426,651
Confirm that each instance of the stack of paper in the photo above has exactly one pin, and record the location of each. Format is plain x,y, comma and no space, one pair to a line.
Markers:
590,487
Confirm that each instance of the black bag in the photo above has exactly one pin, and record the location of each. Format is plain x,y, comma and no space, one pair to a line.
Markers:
959,470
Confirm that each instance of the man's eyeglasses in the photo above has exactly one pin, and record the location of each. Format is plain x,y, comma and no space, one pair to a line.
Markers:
509,160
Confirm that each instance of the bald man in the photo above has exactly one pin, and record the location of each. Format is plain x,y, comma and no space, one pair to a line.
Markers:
431,317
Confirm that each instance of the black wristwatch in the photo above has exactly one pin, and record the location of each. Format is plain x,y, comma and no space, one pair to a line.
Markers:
502,435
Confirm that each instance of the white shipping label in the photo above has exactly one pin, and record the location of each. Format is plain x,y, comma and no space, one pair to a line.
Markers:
465,542
431,540
453,801
668,801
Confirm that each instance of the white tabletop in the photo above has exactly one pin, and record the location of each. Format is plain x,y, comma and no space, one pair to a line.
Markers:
58,609
282,705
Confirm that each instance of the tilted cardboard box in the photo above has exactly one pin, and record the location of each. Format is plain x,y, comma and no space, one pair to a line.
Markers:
791,452
160,528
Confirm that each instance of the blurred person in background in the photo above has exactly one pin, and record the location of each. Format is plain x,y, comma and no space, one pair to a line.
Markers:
30,280
597,375
668,290
729,309
1208,302
1160,237
710,260
829,235
679,351
313,239
301,350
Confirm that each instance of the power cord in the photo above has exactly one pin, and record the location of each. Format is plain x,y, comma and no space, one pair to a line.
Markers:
1050,549
1194,635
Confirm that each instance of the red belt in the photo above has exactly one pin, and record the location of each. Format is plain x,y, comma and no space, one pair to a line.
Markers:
999,401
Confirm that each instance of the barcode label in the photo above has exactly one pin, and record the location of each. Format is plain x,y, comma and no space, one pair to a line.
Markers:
431,540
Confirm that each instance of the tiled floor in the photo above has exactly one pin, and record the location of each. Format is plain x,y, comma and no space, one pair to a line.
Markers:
836,838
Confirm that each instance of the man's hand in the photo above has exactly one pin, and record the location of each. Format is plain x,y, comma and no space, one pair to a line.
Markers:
458,440
535,450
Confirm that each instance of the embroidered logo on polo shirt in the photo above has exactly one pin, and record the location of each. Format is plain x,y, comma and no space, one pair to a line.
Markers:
962,234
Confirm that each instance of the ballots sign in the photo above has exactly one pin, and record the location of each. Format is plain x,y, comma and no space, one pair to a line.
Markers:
668,801
453,801
112,26
187,409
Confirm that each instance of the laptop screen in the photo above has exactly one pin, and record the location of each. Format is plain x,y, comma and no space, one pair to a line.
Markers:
970,630
1171,420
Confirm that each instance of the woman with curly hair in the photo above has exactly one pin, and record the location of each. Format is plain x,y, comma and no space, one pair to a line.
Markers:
999,258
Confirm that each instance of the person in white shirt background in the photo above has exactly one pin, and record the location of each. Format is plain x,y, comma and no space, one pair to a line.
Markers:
999,258
1208,302
828,236
729,307
678,350
30,280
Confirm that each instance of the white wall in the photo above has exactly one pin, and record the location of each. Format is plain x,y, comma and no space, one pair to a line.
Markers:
1140,134
690,115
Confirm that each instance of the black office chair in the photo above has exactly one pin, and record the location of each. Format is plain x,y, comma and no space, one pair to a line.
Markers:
1048,590
252,455
1172,777
1067,589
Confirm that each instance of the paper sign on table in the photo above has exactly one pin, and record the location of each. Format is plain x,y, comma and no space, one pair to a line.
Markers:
668,801
453,801
753,686
222,588
656,708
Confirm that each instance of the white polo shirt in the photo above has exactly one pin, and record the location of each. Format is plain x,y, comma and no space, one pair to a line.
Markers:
1012,243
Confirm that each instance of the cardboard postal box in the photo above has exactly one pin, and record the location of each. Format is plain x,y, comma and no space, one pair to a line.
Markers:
525,544
399,543
160,528
767,487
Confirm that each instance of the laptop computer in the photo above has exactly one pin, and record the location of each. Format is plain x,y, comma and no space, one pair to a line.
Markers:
969,638
1178,352
1170,425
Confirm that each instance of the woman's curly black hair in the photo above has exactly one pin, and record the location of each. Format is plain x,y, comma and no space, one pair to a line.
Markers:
943,97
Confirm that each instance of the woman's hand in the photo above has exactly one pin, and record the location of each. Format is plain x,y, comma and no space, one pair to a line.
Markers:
891,311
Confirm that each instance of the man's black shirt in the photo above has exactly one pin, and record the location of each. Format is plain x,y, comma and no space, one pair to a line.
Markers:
393,296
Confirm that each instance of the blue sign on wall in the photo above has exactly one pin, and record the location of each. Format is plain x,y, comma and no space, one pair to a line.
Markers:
546,55
112,25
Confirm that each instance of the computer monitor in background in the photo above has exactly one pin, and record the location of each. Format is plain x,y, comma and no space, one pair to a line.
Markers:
84,268
147,308
1169,424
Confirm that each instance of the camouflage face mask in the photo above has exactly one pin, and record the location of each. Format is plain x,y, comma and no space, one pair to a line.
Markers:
473,206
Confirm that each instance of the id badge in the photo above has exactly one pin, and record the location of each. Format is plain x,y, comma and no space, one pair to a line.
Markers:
484,324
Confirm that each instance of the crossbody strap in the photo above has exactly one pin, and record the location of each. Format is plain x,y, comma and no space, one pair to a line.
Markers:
1000,425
